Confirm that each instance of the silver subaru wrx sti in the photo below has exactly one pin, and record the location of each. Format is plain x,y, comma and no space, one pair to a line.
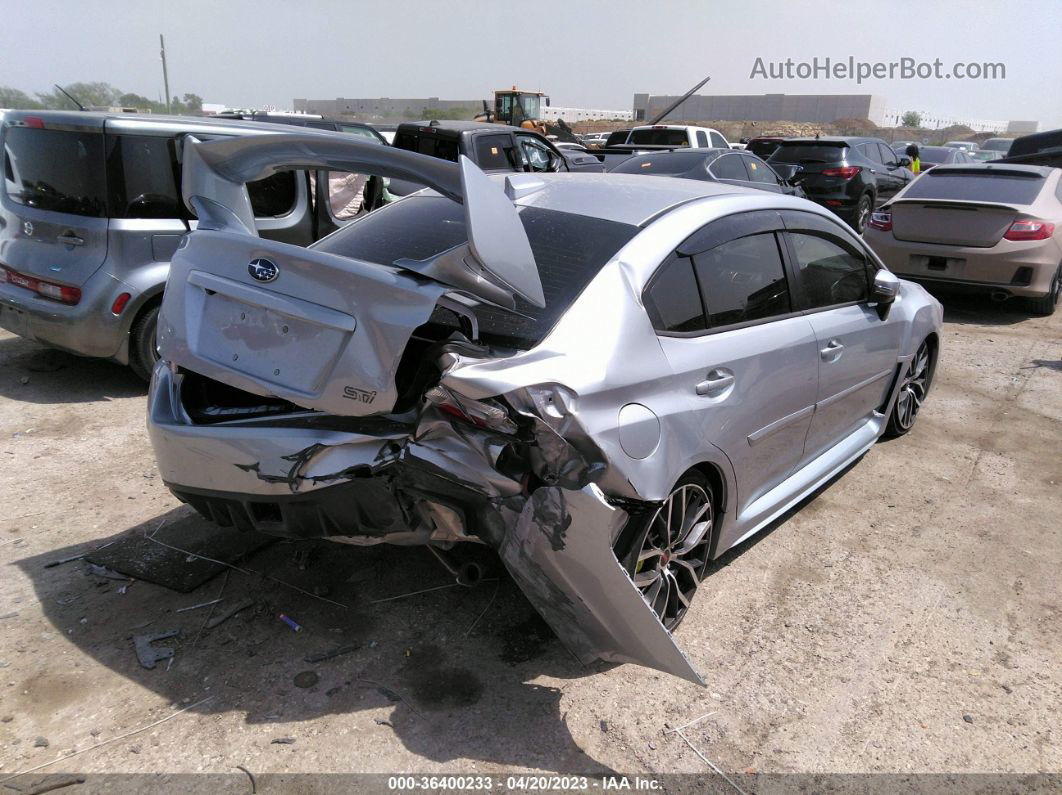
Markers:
608,379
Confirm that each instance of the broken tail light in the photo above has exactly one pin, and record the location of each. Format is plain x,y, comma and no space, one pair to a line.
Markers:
1030,229
844,172
476,412
881,220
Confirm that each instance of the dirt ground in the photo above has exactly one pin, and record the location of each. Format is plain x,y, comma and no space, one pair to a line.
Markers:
905,619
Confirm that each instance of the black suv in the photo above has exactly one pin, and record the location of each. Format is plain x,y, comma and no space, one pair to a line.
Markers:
850,176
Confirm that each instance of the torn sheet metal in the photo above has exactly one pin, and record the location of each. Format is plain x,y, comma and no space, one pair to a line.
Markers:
560,554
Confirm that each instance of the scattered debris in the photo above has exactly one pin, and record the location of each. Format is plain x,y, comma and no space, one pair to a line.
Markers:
54,784
7,718
328,655
61,561
149,655
9,615
196,607
250,775
134,749
40,742
383,722
305,679
283,741
106,742
221,619
968,717
103,571
294,626
604,725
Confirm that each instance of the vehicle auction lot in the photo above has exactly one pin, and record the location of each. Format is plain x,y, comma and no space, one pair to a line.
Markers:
905,619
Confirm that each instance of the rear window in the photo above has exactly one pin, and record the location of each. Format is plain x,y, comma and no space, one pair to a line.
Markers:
664,163
976,186
432,145
763,149
142,177
569,250
659,138
58,170
808,153
617,138
934,154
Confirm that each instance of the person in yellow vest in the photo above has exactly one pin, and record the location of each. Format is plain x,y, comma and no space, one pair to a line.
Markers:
916,164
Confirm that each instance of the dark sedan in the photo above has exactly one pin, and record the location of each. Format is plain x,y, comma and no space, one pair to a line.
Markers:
710,165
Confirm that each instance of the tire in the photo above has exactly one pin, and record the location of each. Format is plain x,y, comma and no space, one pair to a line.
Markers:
862,213
913,390
668,570
1046,304
143,352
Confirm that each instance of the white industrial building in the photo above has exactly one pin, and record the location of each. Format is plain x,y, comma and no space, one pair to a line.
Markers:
570,115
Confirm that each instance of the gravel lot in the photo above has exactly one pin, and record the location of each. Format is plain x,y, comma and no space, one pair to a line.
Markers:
905,619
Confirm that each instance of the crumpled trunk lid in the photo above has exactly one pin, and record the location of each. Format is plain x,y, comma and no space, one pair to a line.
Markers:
319,330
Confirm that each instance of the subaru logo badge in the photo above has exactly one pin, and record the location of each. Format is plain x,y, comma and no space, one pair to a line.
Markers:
263,270
27,229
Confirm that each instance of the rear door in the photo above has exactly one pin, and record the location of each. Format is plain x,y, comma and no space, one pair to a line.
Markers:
744,358
55,199
761,175
856,350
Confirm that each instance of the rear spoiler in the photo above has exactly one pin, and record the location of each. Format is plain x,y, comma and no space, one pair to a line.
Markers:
959,204
216,173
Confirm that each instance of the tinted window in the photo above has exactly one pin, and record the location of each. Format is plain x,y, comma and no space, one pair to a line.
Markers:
997,144
662,137
935,154
569,251
663,163
142,177
830,273
888,157
763,149
673,300
55,170
618,137
702,139
729,167
760,171
808,153
979,184
494,151
719,141
870,151
442,148
274,195
743,280
537,154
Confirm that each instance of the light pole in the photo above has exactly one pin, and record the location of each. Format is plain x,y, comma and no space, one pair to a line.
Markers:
165,74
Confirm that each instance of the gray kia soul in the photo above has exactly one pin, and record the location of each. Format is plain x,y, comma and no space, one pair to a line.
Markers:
91,213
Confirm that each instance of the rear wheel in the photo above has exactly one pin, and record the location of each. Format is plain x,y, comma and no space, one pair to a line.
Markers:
862,213
913,390
1046,305
672,549
143,348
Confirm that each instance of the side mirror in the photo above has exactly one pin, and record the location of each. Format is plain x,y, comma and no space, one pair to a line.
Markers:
905,161
883,293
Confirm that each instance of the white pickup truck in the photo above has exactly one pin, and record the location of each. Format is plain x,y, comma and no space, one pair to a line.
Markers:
651,137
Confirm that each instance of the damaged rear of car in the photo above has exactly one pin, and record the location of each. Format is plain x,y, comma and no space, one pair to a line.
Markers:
394,382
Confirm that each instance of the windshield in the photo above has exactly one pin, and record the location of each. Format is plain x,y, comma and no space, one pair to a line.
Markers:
998,144
663,137
934,154
569,251
663,163
57,170
800,153
976,185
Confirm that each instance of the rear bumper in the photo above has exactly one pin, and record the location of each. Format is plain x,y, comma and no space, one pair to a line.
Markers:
89,328
1015,267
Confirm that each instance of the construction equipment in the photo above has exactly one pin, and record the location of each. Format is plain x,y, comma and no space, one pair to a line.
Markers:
524,109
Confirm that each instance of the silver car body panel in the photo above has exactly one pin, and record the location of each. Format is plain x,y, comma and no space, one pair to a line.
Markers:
612,413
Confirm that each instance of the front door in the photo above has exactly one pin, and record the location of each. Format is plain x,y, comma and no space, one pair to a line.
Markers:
856,350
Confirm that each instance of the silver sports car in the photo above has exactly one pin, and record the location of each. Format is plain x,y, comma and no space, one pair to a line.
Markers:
608,379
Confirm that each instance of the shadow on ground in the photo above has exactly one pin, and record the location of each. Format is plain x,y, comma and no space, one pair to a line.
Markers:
454,666
980,310
33,373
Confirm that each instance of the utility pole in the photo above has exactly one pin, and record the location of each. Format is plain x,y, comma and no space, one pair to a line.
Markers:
165,74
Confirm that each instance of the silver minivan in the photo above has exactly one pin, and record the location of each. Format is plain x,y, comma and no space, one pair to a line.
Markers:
91,213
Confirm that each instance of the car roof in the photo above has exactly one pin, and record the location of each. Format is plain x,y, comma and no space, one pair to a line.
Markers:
153,120
1012,168
833,139
633,199
456,126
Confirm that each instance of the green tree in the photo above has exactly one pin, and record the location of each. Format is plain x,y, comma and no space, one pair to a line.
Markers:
193,103
911,118
16,100
91,95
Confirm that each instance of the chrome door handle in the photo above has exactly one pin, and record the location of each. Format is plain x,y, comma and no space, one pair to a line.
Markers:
717,381
832,351
70,239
